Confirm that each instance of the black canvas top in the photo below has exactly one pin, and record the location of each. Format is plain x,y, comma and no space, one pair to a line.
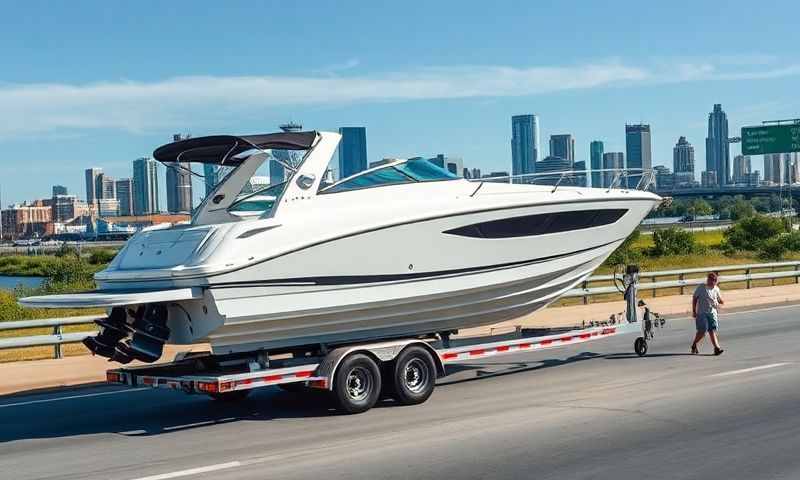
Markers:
215,148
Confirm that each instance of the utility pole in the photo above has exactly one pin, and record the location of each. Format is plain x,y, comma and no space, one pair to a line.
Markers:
1,214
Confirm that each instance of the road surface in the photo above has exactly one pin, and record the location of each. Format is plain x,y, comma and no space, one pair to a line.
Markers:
588,411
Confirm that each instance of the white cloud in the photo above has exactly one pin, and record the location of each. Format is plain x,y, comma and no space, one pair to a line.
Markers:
141,106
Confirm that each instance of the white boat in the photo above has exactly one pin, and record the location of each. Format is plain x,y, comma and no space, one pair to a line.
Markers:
402,249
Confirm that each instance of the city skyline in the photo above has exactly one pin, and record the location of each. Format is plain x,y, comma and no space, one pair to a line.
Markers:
454,96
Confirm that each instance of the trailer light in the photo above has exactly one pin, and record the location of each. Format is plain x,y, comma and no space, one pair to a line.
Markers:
114,377
225,386
318,384
207,387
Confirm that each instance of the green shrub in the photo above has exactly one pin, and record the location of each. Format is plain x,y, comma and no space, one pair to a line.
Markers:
625,253
68,274
673,241
67,251
101,256
751,233
9,308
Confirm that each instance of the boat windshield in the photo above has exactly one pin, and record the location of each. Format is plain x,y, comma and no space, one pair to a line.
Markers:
408,171
258,202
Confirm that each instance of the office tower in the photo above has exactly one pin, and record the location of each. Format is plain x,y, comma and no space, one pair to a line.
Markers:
145,186
352,151
717,147
683,162
105,187
665,179
179,184
476,173
277,166
596,161
59,190
772,168
524,143
562,146
556,165
91,175
613,161
637,151
708,179
741,168
454,165
211,176
125,196
579,179
107,207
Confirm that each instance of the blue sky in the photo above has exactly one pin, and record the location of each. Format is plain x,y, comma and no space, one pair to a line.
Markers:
101,83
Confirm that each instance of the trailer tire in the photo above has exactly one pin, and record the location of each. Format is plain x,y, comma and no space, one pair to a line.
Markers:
357,384
233,396
414,376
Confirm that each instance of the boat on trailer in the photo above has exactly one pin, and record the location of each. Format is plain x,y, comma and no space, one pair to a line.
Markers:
402,250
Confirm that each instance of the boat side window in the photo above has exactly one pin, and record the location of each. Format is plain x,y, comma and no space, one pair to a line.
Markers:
259,201
376,178
540,224
423,170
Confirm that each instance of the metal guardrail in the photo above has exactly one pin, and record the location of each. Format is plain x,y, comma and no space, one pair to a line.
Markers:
775,270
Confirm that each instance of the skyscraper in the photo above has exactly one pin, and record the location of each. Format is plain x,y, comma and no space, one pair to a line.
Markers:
717,147
59,190
772,168
683,162
638,151
741,169
211,174
524,144
562,146
454,165
596,161
125,196
179,185
277,170
145,186
352,151
91,175
104,187
612,161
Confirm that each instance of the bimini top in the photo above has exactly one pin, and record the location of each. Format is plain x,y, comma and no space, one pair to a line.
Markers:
223,149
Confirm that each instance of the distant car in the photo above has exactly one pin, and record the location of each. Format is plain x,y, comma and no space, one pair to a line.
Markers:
27,243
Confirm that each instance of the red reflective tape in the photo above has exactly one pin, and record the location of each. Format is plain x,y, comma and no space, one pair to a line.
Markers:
565,339
302,374
503,348
246,381
607,331
272,378
594,334
545,342
585,335
448,356
525,345
479,351
147,381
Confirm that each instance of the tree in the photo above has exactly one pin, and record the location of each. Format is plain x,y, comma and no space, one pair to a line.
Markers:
740,209
751,233
672,241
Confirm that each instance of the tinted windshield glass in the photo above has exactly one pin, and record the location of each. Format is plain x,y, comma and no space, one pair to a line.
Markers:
422,170
258,201
384,176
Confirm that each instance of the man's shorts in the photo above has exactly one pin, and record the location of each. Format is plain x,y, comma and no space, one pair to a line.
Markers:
706,322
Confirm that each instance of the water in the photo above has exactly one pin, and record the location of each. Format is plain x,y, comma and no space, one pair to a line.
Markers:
8,283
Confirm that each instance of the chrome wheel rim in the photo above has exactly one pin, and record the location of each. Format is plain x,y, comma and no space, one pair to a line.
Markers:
359,383
416,375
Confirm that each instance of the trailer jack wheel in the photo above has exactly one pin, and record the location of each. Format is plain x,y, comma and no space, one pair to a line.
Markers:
640,346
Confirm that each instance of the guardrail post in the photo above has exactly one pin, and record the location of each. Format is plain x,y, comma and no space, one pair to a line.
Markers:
747,273
682,277
772,280
653,279
797,273
57,346
584,286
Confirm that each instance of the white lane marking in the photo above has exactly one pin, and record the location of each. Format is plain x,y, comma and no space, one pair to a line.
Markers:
748,370
192,471
58,399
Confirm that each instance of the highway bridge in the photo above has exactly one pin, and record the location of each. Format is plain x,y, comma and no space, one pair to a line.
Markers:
746,191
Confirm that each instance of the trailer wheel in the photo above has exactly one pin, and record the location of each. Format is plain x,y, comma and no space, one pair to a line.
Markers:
414,376
357,384
640,346
233,396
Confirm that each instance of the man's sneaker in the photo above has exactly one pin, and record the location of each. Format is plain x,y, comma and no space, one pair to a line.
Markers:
718,351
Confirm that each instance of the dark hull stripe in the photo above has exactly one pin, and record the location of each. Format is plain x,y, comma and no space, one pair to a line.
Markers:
362,279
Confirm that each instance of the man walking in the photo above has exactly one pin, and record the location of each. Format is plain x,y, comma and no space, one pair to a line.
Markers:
705,305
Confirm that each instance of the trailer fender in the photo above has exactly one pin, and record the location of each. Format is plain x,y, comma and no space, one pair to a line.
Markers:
382,352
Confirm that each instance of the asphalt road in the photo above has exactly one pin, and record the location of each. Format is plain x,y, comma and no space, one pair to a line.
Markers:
588,411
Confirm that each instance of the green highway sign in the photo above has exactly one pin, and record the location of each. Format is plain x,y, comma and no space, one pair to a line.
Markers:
771,139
